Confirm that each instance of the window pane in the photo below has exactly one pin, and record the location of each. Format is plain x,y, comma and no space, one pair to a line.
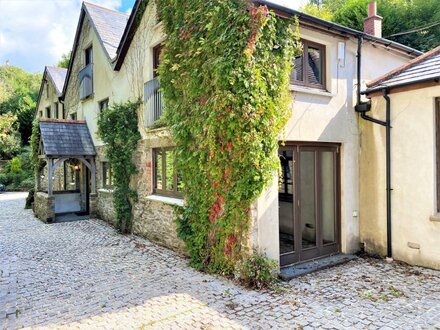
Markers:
328,197
158,169
314,65
297,72
307,200
180,184
169,170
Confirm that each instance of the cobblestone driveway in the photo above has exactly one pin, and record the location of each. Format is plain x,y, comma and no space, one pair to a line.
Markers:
85,275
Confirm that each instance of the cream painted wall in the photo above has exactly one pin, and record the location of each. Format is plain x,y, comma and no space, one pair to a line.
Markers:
413,159
329,116
49,100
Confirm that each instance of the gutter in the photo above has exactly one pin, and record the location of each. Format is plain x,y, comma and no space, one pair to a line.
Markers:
337,27
363,108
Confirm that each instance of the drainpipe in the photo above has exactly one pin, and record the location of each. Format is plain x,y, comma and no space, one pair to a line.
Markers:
363,108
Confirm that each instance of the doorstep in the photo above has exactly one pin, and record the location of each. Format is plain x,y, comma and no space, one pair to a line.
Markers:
289,272
70,217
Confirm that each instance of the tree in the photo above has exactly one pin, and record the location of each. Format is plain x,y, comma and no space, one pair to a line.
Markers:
65,60
9,137
399,16
19,93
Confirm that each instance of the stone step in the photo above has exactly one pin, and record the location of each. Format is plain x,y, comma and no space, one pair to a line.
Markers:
289,272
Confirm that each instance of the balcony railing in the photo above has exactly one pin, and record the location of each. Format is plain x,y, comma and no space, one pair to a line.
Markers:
152,102
86,82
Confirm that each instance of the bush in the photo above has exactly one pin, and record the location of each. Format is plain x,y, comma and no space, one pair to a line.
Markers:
18,173
256,272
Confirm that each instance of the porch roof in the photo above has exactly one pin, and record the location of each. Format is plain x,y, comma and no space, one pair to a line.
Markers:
65,138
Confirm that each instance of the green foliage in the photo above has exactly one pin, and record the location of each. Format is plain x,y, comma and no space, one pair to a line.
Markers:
118,128
18,96
398,16
318,11
9,137
65,60
18,173
257,272
225,75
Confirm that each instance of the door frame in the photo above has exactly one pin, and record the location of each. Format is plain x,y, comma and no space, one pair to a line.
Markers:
320,250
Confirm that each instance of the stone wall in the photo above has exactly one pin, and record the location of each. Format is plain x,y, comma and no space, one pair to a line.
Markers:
44,207
105,209
154,220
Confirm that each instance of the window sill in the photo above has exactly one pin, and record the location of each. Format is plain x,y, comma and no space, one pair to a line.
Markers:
435,217
310,90
166,200
105,190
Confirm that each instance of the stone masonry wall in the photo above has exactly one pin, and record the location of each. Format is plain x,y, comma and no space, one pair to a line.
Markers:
154,220
44,207
105,209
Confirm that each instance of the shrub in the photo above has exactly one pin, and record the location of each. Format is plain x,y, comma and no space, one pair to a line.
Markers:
256,272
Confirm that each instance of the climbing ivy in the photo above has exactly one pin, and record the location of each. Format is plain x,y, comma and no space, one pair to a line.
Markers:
35,145
225,75
118,128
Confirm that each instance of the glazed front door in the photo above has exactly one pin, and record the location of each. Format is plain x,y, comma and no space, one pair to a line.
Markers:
308,202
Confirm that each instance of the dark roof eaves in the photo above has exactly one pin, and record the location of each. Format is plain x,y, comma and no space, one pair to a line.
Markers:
340,28
127,37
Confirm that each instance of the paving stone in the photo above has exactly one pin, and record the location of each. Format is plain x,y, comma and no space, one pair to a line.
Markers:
84,275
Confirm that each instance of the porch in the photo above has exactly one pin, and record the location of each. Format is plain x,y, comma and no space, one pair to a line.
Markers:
66,178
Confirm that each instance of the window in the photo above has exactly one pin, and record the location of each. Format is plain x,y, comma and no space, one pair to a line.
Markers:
166,181
73,116
88,56
156,58
41,114
103,105
107,175
86,75
309,68
47,112
55,109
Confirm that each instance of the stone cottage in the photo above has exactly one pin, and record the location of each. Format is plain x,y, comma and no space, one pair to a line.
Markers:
314,208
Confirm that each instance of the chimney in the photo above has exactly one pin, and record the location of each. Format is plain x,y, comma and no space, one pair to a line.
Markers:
373,23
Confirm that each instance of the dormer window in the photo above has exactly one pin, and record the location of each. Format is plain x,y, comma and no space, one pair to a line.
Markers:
86,75
309,67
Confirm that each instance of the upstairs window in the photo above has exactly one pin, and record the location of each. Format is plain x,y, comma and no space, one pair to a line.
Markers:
73,116
103,105
47,112
86,75
166,180
56,111
88,56
152,94
309,67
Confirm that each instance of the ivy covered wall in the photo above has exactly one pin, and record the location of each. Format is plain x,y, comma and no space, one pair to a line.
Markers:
225,75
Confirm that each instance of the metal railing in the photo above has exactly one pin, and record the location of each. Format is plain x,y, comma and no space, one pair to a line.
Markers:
152,102
86,82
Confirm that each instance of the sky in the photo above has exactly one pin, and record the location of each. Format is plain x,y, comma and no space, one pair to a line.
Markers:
35,33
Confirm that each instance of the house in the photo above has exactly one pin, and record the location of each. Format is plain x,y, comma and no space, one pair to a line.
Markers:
314,209
48,103
407,100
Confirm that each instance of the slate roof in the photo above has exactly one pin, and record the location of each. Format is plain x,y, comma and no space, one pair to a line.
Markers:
66,138
109,25
282,7
58,76
424,68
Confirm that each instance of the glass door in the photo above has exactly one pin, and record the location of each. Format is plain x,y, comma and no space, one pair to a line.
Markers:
308,202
